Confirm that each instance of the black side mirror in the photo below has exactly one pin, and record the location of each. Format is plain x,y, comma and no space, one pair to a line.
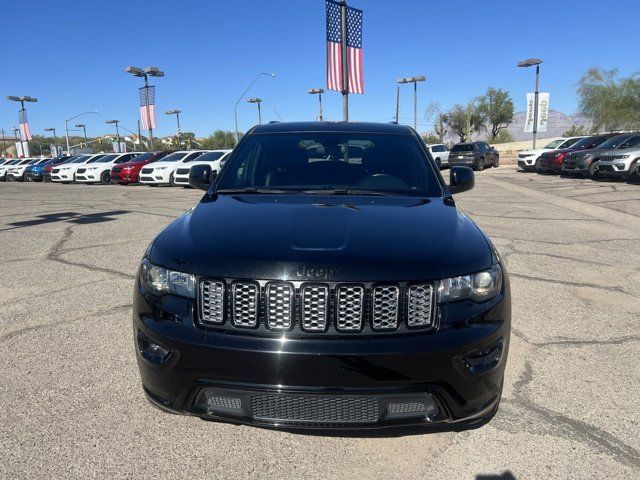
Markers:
201,176
461,179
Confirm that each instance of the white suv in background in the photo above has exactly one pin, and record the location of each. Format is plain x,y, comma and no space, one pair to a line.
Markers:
100,170
161,171
213,158
16,171
528,159
6,166
65,172
440,153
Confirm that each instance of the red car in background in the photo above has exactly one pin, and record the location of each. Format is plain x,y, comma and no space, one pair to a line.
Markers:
126,173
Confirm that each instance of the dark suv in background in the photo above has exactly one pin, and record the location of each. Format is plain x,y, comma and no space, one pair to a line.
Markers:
551,162
477,155
325,280
585,162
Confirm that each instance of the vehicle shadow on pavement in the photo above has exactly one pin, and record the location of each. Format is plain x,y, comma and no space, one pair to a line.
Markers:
71,217
507,475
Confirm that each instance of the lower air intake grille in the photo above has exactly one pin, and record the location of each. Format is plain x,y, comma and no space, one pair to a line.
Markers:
146,170
315,409
182,171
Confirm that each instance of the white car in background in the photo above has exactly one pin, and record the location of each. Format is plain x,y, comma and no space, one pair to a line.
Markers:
528,159
6,166
99,171
161,171
215,158
440,153
16,171
65,172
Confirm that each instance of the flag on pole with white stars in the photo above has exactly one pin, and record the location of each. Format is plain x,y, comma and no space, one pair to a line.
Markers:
355,73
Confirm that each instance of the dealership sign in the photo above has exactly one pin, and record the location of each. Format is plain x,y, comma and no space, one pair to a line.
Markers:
543,112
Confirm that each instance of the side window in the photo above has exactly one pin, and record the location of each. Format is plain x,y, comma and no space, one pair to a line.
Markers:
632,142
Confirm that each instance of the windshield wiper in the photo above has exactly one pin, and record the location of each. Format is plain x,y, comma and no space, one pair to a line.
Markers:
256,190
348,191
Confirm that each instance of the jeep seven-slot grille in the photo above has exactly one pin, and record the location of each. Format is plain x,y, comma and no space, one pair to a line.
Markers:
316,307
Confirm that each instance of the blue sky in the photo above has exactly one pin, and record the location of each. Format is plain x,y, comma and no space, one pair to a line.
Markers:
73,53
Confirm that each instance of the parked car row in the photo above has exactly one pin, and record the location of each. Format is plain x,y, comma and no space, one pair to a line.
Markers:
606,155
150,168
477,155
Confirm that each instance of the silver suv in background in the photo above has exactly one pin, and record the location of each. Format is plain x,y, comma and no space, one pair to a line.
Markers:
618,163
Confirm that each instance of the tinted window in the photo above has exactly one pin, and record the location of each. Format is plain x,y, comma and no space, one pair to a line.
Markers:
174,157
462,147
81,159
143,157
108,158
555,144
615,142
331,160
209,156
631,142
192,156
568,143
590,142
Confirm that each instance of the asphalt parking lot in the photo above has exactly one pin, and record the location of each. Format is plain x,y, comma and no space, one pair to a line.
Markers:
71,405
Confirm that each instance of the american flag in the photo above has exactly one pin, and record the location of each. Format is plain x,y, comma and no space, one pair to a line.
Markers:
25,131
148,107
355,79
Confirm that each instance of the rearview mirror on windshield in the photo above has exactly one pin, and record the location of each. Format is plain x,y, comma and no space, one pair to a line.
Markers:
461,179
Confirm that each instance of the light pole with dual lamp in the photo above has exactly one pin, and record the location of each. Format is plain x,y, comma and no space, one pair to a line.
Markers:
414,80
533,62
235,108
23,112
258,101
147,72
319,92
177,114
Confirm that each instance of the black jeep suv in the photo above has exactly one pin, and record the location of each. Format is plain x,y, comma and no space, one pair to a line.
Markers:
325,280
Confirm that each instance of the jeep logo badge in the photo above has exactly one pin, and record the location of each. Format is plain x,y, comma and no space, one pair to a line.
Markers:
304,271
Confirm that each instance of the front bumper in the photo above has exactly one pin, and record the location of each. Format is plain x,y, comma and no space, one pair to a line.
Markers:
549,166
445,365
577,166
34,177
156,177
62,177
527,163
181,179
611,171
124,177
88,177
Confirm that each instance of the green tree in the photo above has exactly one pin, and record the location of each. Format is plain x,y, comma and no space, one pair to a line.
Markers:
503,136
497,107
464,121
608,101
576,131
430,138
220,139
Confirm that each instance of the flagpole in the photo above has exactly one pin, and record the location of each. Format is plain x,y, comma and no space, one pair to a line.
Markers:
345,66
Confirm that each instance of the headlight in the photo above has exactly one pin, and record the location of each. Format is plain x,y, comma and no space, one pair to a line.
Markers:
160,280
623,156
479,286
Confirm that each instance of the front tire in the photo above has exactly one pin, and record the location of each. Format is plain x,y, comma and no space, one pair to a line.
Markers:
480,166
592,171
172,181
105,178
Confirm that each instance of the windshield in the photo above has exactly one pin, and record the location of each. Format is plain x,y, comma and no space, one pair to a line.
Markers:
81,159
590,142
462,147
555,144
330,162
192,156
614,142
174,157
143,157
208,157
107,158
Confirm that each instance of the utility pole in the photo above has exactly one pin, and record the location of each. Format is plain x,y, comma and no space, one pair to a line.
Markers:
4,147
345,66
530,63
398,104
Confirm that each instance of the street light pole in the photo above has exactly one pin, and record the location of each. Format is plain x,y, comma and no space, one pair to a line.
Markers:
115,122
415,81
177,114
530,63
235,108
319,92
397,104
84,128
66,127
23,114
55,140
258,101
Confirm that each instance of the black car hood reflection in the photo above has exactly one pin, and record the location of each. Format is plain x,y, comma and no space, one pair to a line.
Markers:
318,237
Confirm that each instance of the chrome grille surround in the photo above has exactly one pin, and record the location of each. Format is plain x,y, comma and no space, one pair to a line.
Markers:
314,307
212,301
385,305
420,305
349,308
280,305
244,304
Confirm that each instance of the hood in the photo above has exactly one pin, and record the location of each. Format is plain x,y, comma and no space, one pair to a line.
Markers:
134,164
338,238
590,151
537,151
